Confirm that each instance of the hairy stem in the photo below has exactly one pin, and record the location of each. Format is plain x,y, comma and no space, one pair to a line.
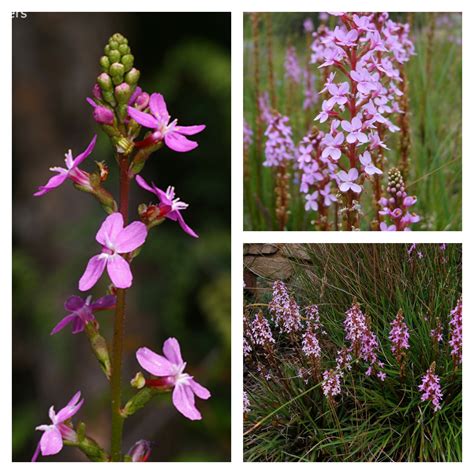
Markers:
119,322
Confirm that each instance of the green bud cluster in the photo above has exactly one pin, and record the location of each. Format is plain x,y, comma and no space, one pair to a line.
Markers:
395,182
119,78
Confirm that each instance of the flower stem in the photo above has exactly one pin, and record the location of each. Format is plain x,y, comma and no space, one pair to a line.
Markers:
117,344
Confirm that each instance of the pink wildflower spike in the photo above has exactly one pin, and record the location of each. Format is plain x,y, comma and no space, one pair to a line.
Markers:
71,171
455,333
399,337
51,441
347,181
82,311
115,239
172,367
159,121
430,388
170,206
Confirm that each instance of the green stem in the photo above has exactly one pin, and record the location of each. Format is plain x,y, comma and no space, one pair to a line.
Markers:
117,345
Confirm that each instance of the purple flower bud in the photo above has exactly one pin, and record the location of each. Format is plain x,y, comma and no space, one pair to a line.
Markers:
103,115
96,92
140,451
142,101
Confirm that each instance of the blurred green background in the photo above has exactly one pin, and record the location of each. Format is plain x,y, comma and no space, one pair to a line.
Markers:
182,285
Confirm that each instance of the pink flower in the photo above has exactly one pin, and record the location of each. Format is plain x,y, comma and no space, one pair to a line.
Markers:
171,366
71,171
170,206
331,383
388,228
430,388
159,121
344,37
347,181
399,336
455,333
101,114
82,311
115,240
325,112
354,128
311,201
51,441
338,93
369,167
332,145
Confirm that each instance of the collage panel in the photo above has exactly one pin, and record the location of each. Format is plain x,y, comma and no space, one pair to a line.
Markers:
352,352
352,121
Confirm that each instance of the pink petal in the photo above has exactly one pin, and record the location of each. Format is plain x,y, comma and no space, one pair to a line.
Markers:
352,174
94,270
199,390
103,303
189,129
172,351
356,188
110,229
36,453
346,126
131,237
80,158
344,187
178,142
63,323
51,442
119,271
185,226
143,118
155,364
53,182
158,107
69,411
78,326
183,400
143,184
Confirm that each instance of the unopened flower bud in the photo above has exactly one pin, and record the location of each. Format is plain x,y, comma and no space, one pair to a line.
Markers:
114,56
104,63
132,76
103,115
97,94
124,49
113,44
142,101
140,451
138,381
105,82
117,69
127,61
123,93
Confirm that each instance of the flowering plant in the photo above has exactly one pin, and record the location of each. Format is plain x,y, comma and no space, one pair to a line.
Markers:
137,125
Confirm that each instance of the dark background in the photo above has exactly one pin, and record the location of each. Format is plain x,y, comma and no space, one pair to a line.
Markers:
181,286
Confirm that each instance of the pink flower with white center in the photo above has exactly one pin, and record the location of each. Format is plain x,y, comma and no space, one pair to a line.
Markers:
71,171
159,121
354,128
171,368
338,93
51,441
344,37
332,145
325,112
347,181
430,388
115,240
311,201
366,161
170,207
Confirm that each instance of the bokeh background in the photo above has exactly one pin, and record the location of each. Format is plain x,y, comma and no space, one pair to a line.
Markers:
182,285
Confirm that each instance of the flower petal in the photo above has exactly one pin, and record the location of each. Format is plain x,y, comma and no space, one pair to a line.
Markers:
172,351
119,271
73,303
36,453
78,326
154,363
143,118
344,187
70,409
94,270
131,237
81,157
189,129
109,229
185,226
178,142
103,303
199,390
53,183
183,400
158,107
51,442
63,323
143,184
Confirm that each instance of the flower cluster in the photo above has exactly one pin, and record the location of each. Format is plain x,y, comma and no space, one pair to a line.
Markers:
331,383
430,388
246,403
279,147
260,330
399,336
455,333
284,309
292,67
122,108
310,345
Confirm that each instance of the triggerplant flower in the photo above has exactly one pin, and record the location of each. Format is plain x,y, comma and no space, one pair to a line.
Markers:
430,388
170,207
52,440
71,171
115,240
171,368
331,383
455,333
81,311
159,121
399,336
